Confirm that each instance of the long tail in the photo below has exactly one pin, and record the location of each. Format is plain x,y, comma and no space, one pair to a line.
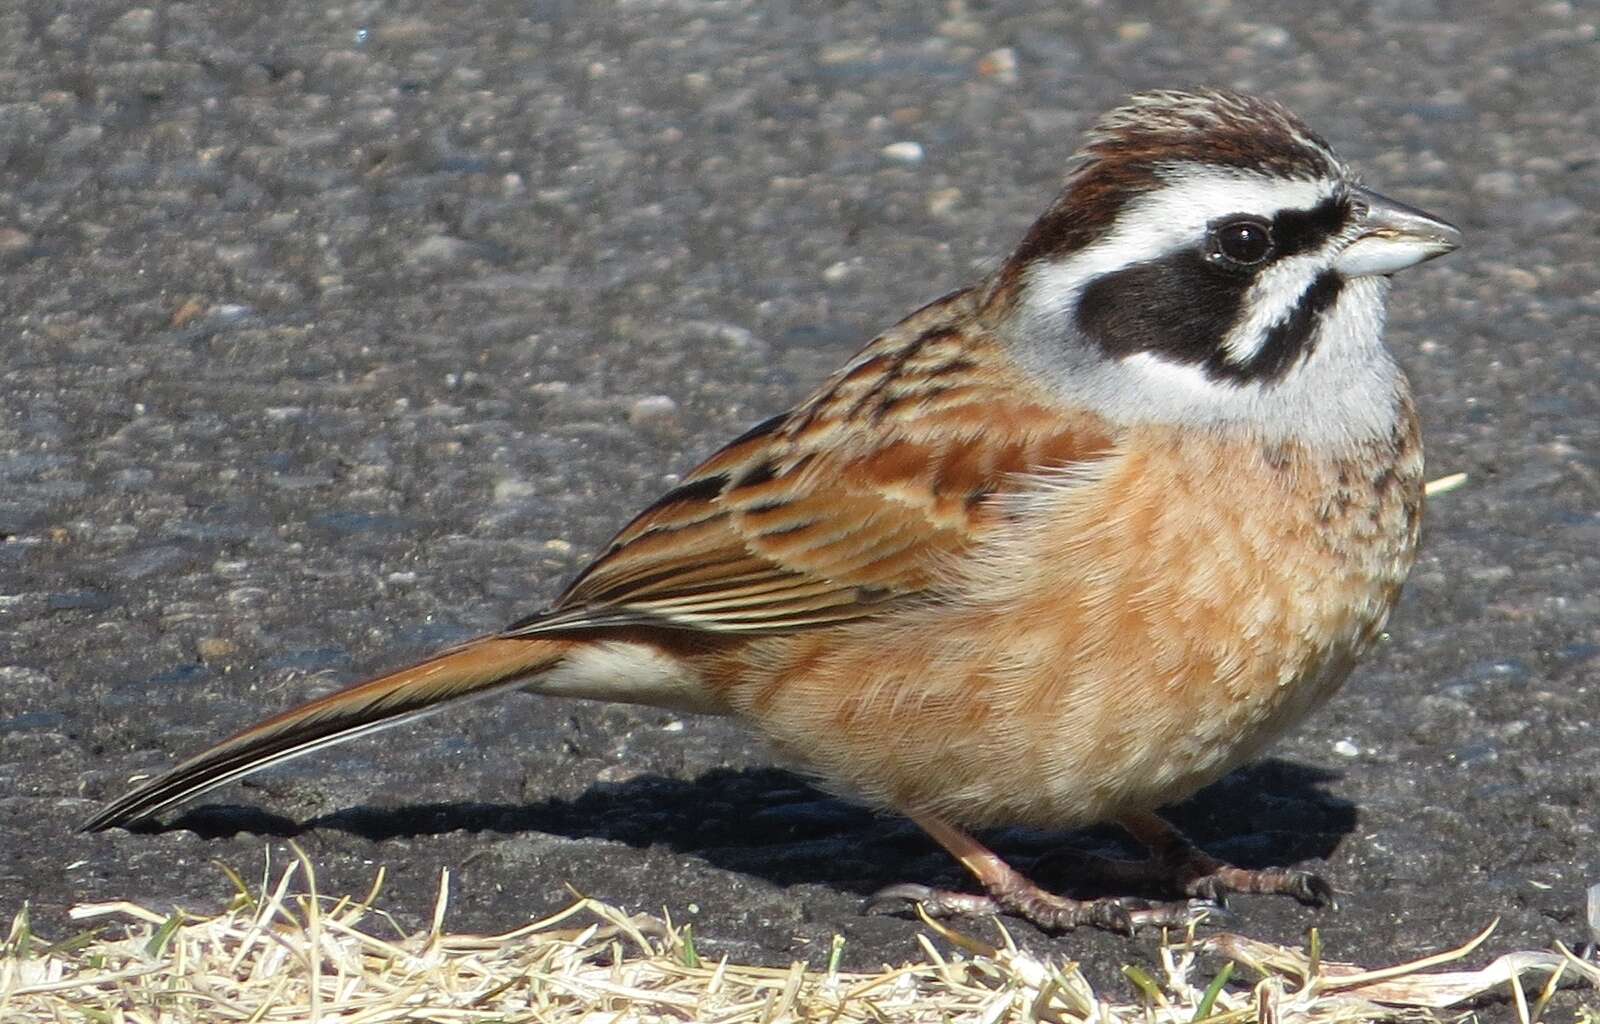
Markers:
474,669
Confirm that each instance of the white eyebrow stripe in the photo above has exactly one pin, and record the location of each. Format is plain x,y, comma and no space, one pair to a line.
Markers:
1172,217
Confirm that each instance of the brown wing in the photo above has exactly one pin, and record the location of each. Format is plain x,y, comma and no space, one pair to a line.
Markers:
859,496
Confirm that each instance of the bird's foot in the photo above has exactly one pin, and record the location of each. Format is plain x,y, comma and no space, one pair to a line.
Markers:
1184,867
1211,879
1046,910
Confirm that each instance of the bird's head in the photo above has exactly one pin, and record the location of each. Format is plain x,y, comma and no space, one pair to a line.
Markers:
1210,258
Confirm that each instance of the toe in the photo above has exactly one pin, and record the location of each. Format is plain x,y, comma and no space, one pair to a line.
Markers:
1178,915
1113,916
934,902
1312,890
1208,887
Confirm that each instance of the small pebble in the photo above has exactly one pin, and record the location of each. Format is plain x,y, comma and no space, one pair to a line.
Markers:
1555,212
439,249
833,273
214,648
1344,748
943,201
190,310
1270,37
1497,184
999,65
511,491
137,22
904,152
229,312
654,411
1520,279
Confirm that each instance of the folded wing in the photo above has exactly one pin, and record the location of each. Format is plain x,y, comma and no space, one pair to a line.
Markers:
865,495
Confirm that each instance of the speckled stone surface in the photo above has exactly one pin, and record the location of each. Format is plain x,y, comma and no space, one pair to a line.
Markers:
332,333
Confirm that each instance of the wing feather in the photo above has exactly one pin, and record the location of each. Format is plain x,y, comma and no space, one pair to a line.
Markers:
865,494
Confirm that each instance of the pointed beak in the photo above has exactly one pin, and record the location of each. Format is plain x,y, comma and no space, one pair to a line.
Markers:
1393,236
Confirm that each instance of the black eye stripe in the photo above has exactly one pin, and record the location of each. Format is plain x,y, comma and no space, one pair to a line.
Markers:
1297,231
1290,232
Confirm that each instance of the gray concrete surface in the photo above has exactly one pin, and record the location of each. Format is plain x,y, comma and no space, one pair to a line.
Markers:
325,335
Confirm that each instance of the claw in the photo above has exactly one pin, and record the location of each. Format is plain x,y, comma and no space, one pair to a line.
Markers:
1112,916
1208,888
1311,889
909,892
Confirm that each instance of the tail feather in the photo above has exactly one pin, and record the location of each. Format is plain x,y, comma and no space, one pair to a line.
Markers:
474,669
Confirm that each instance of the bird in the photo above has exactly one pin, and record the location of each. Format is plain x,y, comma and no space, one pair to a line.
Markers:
1059,548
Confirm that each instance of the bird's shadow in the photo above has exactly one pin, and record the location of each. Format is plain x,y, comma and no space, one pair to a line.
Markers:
773,824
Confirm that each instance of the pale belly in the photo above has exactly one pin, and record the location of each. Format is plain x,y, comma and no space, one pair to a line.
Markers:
1091,664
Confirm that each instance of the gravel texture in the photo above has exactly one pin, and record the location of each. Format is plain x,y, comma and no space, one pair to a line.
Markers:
333,333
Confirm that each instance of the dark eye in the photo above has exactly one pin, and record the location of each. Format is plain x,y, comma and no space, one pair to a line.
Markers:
1244,241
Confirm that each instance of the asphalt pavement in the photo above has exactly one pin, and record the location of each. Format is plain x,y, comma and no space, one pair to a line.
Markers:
330,334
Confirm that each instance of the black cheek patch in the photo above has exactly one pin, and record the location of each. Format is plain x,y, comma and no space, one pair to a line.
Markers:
1179,308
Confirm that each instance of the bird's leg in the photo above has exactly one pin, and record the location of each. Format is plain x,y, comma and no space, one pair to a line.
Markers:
1177,862
1009,892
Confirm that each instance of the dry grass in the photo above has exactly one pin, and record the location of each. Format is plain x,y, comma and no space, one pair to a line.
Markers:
280,955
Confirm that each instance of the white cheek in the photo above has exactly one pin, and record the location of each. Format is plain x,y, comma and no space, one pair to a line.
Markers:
1177,382
1345,391
1276,294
